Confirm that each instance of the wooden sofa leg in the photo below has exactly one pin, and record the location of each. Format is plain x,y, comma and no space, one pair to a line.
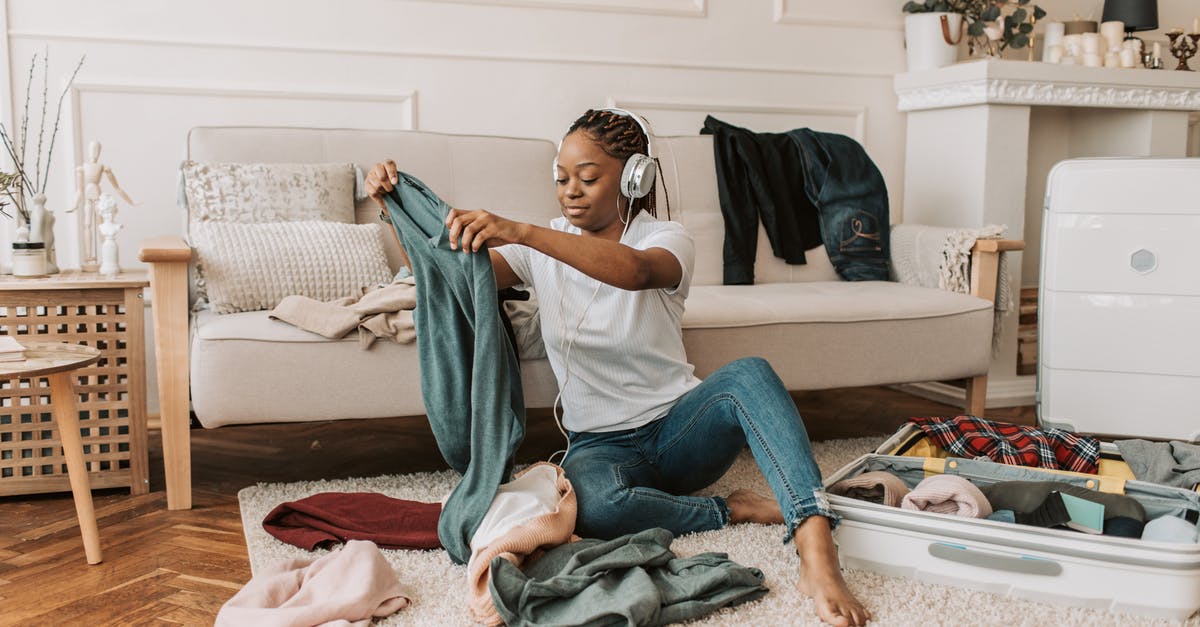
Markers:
976,395
170,315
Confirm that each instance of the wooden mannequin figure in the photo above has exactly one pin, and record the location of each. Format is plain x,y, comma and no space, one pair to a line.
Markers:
87,182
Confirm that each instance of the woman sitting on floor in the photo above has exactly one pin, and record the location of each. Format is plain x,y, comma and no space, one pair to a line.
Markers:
643,431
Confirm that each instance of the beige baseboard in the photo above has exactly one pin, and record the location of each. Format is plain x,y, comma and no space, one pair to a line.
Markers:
1007,393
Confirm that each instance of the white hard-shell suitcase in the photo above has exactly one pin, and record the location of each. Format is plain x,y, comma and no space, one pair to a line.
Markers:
1119,307
1119,329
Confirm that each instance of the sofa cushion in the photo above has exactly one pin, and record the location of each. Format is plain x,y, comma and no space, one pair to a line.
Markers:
300,376
840,334
248,267
712,306
268,192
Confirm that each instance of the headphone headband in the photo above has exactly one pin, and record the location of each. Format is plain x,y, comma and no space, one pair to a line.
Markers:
637,178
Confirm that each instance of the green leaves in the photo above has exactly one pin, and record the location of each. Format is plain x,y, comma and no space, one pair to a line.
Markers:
1013,16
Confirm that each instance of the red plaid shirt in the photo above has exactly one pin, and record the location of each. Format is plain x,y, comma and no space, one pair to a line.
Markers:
971,437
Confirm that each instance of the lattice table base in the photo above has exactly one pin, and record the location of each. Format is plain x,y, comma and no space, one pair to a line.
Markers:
110,395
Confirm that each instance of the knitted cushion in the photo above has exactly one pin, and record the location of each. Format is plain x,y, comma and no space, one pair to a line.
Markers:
249,267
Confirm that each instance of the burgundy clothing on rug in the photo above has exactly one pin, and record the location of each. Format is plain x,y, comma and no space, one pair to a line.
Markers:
335,517
1017,445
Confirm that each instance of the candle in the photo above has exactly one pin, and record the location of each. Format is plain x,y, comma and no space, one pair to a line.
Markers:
1112,59
1093,43
1092,59
1157,50
1129,57
1053,54
1113,32
1072,45
1196,25
1054,33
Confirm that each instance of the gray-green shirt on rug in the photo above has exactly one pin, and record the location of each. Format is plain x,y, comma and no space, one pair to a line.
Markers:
631,580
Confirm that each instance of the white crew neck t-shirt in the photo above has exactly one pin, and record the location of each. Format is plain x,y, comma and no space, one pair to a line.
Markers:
626,364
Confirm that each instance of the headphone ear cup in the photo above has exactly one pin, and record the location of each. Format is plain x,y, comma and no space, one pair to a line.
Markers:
637,179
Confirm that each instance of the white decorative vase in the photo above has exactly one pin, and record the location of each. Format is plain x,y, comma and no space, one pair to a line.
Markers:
932,39
37,218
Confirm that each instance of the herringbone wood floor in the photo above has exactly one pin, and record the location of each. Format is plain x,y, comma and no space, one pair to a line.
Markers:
164,567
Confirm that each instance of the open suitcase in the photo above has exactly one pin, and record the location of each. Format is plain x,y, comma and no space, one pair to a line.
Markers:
1118,333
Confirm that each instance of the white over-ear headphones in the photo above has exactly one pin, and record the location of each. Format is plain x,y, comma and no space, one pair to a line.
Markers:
637,179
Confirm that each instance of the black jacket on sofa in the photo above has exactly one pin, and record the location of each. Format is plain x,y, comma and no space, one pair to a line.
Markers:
807,187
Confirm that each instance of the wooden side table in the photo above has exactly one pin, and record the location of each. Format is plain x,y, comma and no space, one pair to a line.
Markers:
77,308
56,361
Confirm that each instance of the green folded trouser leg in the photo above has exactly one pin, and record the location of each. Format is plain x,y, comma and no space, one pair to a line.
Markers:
470,380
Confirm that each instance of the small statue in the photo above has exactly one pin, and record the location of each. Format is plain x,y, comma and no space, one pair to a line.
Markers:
87,182
109,266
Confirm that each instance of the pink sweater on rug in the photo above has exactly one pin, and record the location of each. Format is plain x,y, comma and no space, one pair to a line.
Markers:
345,587
519,543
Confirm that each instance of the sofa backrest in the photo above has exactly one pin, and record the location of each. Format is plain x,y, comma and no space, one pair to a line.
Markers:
510,176
506,175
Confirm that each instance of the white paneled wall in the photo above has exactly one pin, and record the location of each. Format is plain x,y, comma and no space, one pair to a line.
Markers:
509,67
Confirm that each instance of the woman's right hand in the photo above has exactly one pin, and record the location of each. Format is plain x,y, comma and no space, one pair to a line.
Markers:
381,180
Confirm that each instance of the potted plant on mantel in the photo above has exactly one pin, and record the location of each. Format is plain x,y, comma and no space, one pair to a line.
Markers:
991,27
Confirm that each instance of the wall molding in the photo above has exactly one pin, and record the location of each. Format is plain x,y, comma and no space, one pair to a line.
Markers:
857,113
407,100
785,14
446,54
674,8
7,111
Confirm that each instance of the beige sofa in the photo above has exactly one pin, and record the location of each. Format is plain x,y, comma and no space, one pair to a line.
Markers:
818,331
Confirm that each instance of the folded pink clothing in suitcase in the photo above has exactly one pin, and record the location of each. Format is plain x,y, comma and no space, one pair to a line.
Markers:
948,494
333,517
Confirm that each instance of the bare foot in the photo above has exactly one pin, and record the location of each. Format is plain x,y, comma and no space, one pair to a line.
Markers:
821,578
750,506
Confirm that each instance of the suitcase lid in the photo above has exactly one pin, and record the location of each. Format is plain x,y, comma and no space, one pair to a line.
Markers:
1122,195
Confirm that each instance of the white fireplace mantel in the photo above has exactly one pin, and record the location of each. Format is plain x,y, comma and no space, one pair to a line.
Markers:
983,135
1045,84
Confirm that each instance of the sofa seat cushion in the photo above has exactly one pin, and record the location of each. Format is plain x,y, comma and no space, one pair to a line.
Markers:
247,368
833,334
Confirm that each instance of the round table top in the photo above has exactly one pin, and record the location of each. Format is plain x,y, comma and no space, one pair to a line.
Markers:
42,358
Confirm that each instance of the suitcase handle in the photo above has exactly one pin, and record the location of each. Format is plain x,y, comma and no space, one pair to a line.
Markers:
1024,564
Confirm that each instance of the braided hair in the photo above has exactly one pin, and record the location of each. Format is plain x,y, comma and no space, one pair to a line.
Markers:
620,137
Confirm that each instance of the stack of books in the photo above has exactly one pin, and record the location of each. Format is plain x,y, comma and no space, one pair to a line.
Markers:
10,349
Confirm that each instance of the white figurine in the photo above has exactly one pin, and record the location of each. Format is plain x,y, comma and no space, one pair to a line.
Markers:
87,182
109,267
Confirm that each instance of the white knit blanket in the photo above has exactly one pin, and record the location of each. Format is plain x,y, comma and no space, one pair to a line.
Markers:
940,257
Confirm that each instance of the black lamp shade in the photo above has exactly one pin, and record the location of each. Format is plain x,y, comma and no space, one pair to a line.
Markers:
1136,14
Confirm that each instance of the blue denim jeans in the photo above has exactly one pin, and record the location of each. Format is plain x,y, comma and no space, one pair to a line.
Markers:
636,479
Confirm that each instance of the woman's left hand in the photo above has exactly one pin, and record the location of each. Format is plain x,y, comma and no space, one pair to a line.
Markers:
472,229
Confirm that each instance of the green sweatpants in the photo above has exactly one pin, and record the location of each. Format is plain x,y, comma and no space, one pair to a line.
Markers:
470,380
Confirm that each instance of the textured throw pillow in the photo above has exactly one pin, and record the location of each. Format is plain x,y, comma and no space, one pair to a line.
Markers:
251,267
268,192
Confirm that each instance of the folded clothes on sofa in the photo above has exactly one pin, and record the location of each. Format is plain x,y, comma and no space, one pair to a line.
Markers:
384,311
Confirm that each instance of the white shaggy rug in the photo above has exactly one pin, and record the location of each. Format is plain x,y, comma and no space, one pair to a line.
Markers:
440,587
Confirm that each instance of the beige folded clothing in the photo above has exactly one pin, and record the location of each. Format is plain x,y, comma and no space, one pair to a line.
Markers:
381,311
876,486
347,587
